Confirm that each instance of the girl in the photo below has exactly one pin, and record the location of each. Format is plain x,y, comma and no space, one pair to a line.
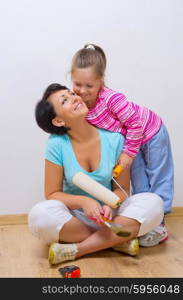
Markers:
64,220
147,142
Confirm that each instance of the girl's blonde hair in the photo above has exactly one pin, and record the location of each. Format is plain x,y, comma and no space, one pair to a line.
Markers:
90,55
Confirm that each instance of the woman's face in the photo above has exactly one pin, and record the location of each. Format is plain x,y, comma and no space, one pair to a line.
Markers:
87,85
67,105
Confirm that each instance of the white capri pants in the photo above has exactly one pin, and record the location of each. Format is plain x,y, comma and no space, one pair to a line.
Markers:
47,218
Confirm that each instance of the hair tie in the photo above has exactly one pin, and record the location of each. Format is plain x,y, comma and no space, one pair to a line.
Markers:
90,47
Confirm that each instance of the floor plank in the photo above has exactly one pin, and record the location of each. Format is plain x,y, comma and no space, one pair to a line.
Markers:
22,255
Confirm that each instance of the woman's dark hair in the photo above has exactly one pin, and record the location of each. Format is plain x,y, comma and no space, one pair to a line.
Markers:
44,111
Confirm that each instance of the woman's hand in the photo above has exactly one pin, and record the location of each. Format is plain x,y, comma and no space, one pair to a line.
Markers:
125,161
107,212
92,210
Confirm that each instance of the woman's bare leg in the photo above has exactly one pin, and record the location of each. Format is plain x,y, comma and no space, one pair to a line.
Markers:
75,231
104,238
81,239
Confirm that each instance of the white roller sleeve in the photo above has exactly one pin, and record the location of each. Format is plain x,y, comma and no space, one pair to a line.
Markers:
96,189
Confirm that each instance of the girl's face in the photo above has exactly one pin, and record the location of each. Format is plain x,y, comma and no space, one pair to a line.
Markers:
68,107
87,85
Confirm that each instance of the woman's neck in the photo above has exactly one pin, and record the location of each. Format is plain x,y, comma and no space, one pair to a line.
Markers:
82,132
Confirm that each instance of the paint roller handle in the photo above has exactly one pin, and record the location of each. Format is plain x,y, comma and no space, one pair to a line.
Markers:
117,170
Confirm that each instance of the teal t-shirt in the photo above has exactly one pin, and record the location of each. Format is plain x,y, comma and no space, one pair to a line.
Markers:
60,152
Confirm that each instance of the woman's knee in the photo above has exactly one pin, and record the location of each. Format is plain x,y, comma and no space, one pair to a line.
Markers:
46,219
148,209
129,224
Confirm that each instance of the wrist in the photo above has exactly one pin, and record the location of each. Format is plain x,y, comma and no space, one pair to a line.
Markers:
83,200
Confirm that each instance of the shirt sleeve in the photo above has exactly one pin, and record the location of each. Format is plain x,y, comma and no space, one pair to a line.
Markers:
125,111
119,145
54,150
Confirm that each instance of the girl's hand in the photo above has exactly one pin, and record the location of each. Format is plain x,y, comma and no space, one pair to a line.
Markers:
125,161
93,210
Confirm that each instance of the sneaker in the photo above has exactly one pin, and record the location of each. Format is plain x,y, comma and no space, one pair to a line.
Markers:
130,247
61,252
154,237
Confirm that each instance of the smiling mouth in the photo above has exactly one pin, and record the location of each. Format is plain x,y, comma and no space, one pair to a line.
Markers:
78,106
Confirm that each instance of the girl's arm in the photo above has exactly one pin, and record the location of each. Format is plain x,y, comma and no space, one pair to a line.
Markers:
133,125
54,191
125,161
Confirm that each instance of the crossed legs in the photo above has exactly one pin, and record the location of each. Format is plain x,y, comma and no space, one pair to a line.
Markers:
89,240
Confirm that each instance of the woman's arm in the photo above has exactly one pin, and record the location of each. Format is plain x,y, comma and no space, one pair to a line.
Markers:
53,187
124,181
54,191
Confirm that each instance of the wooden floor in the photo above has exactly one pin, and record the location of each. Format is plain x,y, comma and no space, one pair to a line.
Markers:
22,255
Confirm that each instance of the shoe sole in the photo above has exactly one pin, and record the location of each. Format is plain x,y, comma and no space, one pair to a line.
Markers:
165,239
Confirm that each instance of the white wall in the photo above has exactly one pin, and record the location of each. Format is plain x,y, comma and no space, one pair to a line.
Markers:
143,41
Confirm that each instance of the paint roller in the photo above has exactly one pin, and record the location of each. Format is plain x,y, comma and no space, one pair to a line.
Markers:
103,194
96,189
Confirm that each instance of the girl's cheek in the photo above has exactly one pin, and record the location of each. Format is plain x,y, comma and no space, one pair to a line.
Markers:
77,91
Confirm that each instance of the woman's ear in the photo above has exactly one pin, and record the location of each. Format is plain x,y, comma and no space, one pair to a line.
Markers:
58,122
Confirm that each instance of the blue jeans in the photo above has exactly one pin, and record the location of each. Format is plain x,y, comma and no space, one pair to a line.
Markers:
152,170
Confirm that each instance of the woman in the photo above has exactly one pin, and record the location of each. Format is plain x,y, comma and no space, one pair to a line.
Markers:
72,221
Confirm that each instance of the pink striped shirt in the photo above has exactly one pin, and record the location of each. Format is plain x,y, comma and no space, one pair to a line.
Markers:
115,113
